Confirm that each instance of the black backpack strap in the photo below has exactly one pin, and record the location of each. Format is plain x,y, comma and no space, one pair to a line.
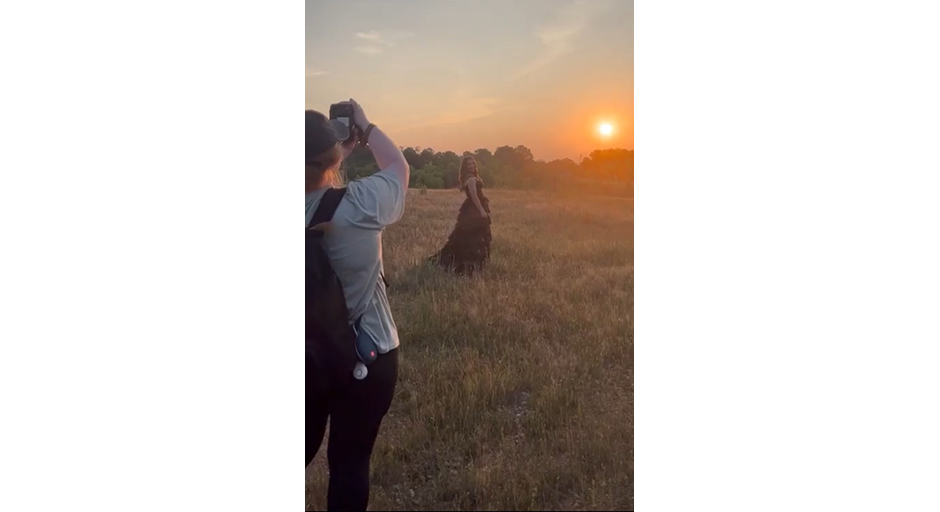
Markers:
327,207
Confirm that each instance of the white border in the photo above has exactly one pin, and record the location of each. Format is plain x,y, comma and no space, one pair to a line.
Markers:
786,255
152,281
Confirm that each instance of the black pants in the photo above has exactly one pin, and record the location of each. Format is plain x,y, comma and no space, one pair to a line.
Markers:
355,415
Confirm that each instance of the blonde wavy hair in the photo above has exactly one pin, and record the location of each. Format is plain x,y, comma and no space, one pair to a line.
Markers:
464,173
324,169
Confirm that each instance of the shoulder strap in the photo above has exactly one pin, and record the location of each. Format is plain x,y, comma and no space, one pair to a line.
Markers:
327,207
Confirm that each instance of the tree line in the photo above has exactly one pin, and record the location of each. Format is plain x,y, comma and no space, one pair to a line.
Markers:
509,167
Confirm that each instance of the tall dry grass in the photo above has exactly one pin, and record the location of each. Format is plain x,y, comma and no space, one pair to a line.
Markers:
516,388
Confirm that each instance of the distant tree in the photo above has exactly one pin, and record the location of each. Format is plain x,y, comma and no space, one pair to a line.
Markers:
507,166
359,164
446,159
413,157
523,155
435,182
514,157
610,164
450,174
505,155
427,155
483,156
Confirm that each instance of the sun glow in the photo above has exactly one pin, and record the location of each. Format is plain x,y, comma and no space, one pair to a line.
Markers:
606,129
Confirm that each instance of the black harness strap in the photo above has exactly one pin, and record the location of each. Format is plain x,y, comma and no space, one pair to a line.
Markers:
325,211
327,208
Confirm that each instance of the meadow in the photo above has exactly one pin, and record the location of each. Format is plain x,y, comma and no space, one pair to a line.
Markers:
516,388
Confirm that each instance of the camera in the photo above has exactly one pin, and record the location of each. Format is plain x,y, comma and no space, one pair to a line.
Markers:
343,112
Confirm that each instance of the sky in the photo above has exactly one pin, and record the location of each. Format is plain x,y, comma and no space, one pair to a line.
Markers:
458,75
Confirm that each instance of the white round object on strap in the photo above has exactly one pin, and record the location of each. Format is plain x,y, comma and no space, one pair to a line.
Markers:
360,371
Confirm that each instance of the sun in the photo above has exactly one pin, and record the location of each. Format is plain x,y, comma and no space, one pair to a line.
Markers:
606,129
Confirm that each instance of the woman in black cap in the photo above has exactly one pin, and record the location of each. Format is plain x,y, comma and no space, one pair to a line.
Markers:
354,247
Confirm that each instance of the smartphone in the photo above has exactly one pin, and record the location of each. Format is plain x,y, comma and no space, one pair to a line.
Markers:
343,112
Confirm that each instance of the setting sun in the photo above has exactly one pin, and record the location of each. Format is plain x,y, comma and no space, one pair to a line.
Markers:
606,129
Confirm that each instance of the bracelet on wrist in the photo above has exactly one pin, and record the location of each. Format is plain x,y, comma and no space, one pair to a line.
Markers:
366,132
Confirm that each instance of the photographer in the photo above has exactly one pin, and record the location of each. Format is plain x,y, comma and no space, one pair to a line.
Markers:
353,244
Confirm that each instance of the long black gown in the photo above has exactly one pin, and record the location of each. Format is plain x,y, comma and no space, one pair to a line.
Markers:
468,246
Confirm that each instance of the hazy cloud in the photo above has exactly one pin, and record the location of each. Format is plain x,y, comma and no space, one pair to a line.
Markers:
461,106
311,73
468,110
377,40
559,36
371,36
370,50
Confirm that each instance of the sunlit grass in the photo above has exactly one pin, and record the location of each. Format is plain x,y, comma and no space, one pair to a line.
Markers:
516,389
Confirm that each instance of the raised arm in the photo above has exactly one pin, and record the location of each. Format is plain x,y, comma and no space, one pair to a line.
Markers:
387,155
379,199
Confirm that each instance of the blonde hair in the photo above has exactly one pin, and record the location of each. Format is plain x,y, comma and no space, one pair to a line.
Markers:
324,169
464,173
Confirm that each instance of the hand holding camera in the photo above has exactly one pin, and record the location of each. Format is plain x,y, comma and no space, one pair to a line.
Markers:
352,127
350,114
359,116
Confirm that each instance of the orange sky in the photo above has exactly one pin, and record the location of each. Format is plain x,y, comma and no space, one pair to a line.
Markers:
461,75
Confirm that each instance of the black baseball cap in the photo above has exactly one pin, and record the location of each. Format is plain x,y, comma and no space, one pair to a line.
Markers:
323,133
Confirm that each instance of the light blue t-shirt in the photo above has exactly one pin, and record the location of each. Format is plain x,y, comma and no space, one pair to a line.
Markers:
354,246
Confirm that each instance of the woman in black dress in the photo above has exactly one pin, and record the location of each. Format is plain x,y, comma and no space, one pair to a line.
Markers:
468,246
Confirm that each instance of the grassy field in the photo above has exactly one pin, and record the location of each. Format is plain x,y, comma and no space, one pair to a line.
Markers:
516,388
